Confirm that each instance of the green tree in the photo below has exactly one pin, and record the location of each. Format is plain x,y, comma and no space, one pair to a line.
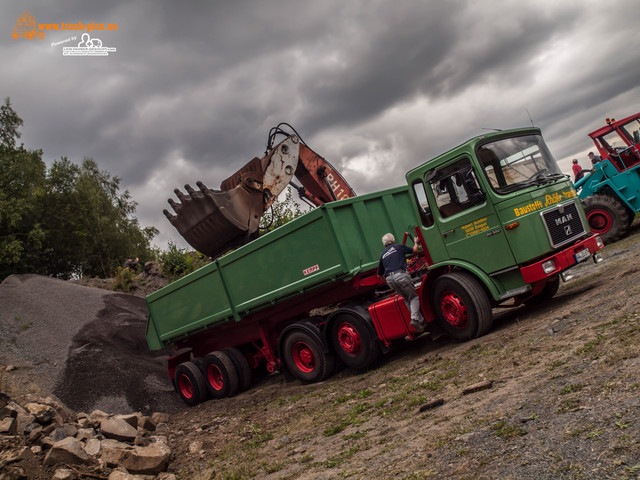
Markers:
22,176
70,220
281,212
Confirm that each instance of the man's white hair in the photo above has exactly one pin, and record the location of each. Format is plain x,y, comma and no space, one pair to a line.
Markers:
388,239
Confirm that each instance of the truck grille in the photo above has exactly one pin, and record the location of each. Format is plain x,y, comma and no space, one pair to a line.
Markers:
563,223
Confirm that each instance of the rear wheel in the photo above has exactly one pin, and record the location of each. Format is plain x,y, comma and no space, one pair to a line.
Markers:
353,340
190,383
242,366
305,357
462,306
607,217
220,374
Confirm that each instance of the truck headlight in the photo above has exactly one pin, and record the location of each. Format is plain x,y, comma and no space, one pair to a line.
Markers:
549,266
599,241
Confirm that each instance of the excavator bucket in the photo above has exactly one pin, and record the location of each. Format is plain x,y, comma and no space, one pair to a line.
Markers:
214,222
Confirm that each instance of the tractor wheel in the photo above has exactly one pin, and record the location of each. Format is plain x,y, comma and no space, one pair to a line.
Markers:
305,358
190,384
547,293
353,340
607,217
242,366
461,306
220,375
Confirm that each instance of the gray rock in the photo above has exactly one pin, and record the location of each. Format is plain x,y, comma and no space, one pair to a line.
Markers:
122,474
132,419
64,474
162,428
118,429
67,451
44,413
166,476
85,433
147,424
93,447
149,460
8,426
158,417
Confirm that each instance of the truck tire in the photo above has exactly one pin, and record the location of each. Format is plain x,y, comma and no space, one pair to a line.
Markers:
461,305
242,366
353,340
221,376
305,357
190,384
607,217
547,293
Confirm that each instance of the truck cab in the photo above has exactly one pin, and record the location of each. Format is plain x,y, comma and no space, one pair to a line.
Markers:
499,208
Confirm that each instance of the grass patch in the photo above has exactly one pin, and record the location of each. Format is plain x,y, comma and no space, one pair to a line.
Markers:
568,406
257,436
590,347
507,431
571,388
353,418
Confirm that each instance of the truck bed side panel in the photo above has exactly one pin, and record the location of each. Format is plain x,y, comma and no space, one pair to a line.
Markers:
332,243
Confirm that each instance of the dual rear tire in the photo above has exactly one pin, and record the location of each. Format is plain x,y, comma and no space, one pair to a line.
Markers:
220,374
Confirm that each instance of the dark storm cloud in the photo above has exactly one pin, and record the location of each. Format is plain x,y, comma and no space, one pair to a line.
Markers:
374,86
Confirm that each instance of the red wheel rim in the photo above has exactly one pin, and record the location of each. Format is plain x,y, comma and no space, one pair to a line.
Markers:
214,375
185,386
599,221
454,310
349,339
303,357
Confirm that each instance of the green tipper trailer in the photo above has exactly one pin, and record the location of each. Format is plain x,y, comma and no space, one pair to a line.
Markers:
496,221
329,246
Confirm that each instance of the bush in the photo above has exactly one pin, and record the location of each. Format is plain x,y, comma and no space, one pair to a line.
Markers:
177,262
122,279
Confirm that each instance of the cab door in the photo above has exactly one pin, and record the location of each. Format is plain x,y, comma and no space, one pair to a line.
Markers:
468,222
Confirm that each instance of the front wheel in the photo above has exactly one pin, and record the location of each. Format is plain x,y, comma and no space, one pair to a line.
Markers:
607,217
462,306
305,357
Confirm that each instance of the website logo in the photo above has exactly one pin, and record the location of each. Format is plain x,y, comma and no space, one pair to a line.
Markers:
88,47
26,27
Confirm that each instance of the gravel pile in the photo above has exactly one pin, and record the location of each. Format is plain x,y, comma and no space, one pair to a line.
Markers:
83,345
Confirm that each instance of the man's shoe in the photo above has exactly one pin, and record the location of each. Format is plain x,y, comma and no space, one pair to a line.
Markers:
417,326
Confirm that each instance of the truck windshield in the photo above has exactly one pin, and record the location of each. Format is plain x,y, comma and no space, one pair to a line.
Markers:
512,164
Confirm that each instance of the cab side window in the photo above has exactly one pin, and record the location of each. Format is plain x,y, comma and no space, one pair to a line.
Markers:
420,195
456,188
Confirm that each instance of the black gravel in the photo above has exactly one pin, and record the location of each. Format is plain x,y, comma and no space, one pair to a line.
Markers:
82,345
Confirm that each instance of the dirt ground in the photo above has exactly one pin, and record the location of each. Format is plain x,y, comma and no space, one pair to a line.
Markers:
563,403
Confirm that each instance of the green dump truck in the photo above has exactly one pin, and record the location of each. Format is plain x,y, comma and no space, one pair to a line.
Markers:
498,225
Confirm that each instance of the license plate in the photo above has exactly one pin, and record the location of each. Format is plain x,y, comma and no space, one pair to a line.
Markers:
582,255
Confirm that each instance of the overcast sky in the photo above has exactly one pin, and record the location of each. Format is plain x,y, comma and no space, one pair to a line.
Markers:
376,87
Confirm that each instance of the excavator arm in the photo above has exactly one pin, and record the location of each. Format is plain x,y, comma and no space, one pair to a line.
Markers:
214,221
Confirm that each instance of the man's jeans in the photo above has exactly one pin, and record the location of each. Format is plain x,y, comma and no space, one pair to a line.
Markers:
402,284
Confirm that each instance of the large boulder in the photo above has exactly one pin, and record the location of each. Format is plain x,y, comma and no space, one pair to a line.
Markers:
149,460
67,451
118,429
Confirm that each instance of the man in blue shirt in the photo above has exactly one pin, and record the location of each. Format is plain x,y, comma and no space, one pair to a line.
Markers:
393,268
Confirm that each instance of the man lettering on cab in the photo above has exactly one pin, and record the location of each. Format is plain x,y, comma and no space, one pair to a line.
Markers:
393,268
